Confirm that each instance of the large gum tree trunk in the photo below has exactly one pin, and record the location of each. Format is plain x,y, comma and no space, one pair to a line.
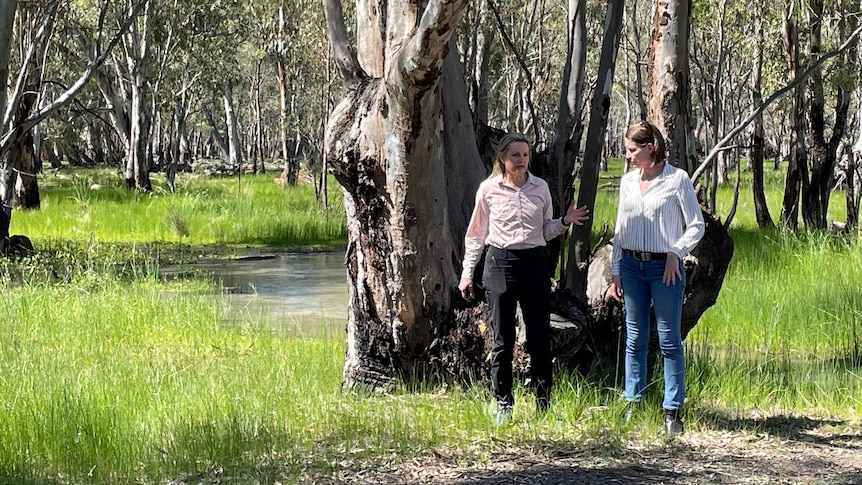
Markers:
669,85
385,145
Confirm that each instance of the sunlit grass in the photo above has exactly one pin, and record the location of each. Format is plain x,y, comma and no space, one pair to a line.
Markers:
82,204
112,375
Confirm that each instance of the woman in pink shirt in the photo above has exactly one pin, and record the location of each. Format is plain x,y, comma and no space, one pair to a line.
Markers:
513,217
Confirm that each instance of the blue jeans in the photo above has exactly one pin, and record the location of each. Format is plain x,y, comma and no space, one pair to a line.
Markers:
642,289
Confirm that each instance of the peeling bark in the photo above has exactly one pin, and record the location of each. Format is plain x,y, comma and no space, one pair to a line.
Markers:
669,86
385,144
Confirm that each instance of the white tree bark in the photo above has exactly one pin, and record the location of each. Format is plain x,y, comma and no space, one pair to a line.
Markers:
7,20
234,150
385,143
669,89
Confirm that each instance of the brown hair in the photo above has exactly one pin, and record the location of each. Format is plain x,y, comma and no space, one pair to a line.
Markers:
502,148
646,132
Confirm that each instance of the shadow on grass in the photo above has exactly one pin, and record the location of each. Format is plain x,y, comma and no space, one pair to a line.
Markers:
678,463
794,428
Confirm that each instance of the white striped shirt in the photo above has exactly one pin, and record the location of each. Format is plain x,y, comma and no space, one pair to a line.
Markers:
666,219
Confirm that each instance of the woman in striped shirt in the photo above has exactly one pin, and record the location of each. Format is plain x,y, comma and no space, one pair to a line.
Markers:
513,217
659,221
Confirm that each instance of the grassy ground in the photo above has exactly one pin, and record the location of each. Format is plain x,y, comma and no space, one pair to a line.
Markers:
112,375
94,204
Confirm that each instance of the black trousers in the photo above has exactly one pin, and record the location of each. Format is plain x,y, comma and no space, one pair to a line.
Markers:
519,276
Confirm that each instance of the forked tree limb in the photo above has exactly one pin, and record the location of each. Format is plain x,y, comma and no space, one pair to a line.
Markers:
68,96
345,57
777,94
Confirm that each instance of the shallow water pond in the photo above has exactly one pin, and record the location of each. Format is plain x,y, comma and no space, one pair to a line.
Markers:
297,293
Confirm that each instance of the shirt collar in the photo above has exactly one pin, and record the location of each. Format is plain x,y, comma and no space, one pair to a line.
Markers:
531,180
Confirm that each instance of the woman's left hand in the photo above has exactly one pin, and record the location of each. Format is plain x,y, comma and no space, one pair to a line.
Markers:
576,216
671,270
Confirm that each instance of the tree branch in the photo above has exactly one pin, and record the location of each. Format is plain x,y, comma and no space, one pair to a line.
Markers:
523,66
70,94
796,82
12,103
345,57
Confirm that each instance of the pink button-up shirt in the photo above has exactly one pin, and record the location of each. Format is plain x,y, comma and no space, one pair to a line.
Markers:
511,218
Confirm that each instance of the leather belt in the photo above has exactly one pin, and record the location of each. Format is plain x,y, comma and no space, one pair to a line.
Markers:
644,256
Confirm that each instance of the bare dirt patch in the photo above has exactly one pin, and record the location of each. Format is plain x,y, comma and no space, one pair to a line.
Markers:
772,450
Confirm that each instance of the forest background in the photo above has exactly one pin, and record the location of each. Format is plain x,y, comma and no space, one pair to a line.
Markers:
151,87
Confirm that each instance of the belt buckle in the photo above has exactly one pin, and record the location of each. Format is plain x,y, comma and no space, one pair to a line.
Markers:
645,256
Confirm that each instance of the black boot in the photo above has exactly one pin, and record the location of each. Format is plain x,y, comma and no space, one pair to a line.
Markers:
672,422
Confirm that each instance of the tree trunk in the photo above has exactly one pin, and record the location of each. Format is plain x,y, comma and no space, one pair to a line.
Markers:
761,209
385,145
7,21
480,57
137,53
824,152
137,168
797,165
234,149
853,175
719,108
559,172
669,86
813,206
258,162
579,246
22,157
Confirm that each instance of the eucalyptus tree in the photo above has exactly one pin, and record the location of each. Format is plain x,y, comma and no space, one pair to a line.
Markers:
7,21
386,146
579,248
133,69
823,152
853,168
102,48
711,80
479,31
566,143
669,80
35,28
756,154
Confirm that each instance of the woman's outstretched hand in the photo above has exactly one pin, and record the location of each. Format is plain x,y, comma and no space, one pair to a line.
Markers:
576,216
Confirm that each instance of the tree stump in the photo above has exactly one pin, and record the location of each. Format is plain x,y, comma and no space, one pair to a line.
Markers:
17,246
465,351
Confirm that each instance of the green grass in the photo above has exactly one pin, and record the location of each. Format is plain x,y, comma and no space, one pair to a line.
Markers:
88,204
111,375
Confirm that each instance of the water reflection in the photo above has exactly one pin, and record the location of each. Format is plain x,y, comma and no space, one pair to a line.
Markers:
291,290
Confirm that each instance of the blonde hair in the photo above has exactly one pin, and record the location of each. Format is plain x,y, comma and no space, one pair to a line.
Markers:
502,148
646,132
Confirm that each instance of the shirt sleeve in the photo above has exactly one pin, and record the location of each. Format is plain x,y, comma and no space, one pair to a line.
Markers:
692,215
477,233
617,253
551,227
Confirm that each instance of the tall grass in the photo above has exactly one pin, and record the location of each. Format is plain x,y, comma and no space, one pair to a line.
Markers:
213,211
112,375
